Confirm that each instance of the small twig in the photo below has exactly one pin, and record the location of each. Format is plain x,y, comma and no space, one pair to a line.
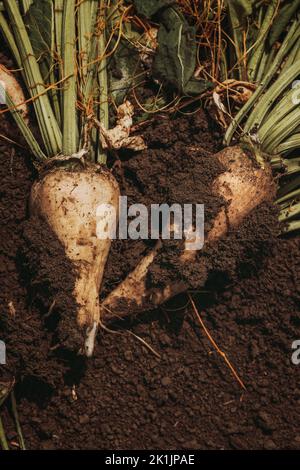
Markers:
145,344
55,347
16,416
221,353
7,139
132,334
49,313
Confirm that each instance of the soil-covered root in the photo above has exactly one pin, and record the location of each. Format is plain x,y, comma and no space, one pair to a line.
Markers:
68,201
243,185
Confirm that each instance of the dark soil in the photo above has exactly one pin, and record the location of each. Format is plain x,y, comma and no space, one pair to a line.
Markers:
175,169
125,397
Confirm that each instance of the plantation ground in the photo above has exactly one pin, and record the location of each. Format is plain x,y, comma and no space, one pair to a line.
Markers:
125,397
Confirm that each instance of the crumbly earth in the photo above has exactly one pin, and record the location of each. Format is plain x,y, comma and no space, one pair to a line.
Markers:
127,397
177,168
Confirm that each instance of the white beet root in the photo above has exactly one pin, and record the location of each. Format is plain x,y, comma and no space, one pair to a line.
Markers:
243,186
68,201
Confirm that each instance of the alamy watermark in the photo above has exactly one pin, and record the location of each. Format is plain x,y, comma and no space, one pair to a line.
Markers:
160,221
2,93
296,354
296,93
